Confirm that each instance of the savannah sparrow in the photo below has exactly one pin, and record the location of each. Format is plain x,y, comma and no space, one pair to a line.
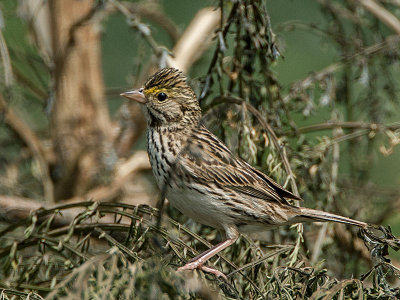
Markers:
200,175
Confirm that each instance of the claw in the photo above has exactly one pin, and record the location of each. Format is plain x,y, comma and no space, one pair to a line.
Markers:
198,261
214,271
197,265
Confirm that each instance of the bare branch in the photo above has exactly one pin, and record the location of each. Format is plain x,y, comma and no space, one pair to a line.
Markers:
34,144
350,125
390,42
152,13
196,39
13,209
381,13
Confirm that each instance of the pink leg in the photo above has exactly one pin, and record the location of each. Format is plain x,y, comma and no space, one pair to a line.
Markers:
198,261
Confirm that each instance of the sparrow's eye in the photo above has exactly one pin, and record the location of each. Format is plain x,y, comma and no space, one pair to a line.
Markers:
162,97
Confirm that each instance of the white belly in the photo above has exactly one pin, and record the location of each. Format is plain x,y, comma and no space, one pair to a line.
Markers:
198,206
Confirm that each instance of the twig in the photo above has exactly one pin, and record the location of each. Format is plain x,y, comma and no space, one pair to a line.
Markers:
152,13
22,129
391,41
195,39
381,13
123,171
140,27
350,125
222,35
13,208
331,194
33,143
25,81
350,243
281,150
260,260
277,144
5,57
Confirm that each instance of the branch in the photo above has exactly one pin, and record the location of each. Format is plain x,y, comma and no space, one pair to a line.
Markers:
6,62
13,209
136,163
196,38
33,143
348,242
382,14
16,209
350,125
390,42
150,12
275,140
143,29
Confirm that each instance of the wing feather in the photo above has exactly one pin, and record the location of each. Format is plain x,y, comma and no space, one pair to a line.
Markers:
207,159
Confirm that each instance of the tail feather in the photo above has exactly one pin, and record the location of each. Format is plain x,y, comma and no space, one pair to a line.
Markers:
308,214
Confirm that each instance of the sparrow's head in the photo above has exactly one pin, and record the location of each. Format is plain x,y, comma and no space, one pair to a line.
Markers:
168,98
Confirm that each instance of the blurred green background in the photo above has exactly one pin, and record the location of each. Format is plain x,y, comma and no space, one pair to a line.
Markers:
303,52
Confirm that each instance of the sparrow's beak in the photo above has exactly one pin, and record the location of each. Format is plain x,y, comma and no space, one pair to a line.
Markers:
136,95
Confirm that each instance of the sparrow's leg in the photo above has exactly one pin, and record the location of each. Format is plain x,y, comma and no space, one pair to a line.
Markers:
199,260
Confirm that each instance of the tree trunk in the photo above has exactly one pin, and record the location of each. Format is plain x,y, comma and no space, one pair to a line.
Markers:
79,118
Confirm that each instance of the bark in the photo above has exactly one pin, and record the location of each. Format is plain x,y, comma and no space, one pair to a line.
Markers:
14,209
79,118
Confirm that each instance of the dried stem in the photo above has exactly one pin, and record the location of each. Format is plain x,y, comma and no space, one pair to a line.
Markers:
349,125
33,143
381,13
390,42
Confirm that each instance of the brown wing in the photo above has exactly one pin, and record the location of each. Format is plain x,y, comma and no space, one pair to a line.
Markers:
207,159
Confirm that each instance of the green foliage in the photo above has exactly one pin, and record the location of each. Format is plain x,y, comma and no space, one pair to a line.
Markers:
115,251
324,136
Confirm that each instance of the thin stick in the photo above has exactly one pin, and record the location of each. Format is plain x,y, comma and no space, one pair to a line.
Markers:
382,14
33,143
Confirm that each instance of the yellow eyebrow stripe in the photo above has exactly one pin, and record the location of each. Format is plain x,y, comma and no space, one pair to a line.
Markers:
154,90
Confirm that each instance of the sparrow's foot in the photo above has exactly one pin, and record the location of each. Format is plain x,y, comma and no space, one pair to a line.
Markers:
196,265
